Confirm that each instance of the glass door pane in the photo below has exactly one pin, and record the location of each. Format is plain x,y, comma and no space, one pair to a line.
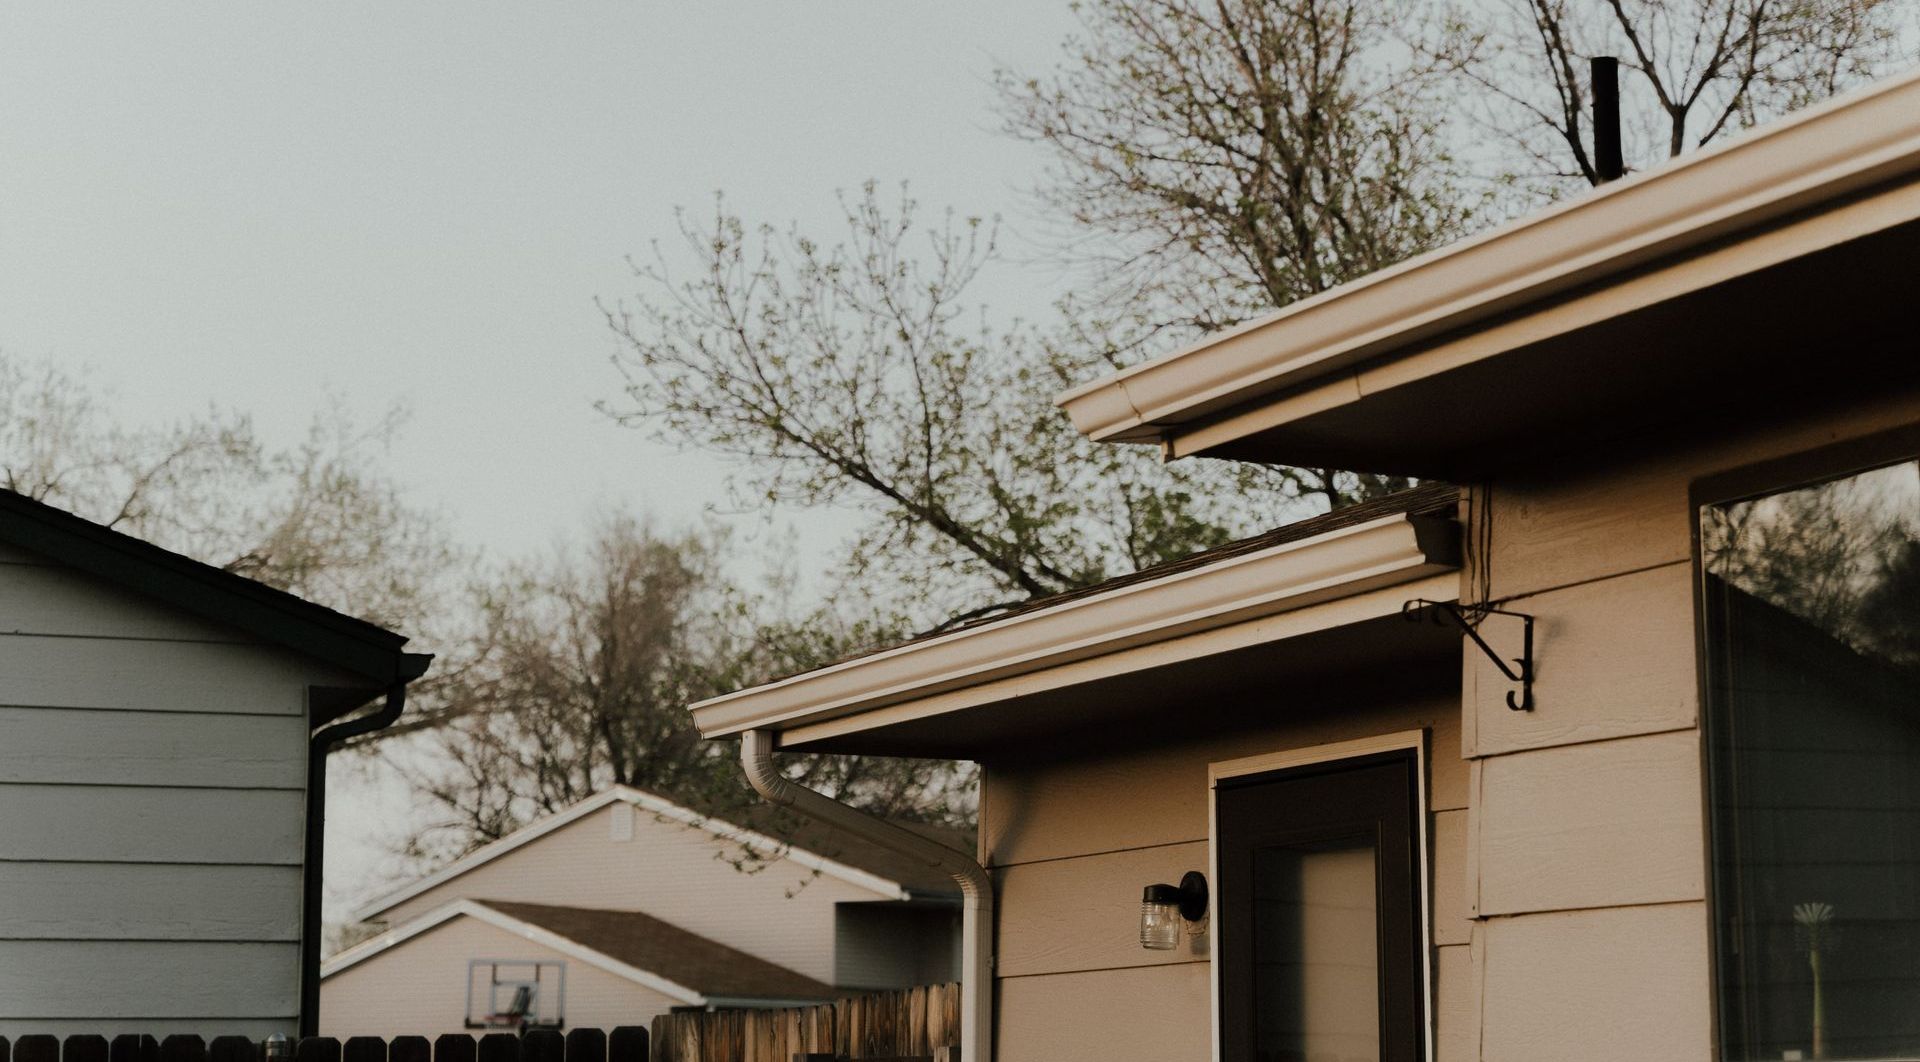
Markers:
1319,936
1317,968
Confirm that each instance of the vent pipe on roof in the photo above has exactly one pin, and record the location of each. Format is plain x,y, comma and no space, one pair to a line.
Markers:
976,888
1607,164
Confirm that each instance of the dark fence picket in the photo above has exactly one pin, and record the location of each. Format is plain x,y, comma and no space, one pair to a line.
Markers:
133,1047
6,1049
84,1047
364,1049
317,1049
499,1047
542,1045
409,1049
183,1047
454,1047
233,1049
586,1045
628,1044
37,1048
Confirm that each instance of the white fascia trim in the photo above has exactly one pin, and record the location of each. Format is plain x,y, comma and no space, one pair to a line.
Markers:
1814,156
1281,578
757,842
572,949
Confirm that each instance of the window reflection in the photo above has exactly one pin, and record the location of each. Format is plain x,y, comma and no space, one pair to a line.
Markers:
1317,967
1812,612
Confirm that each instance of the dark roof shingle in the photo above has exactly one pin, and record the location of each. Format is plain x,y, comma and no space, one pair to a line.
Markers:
644,942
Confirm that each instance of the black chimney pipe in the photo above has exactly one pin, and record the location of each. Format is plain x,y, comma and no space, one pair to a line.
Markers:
1607,165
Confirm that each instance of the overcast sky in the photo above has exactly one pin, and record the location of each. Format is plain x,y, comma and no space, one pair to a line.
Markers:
255,204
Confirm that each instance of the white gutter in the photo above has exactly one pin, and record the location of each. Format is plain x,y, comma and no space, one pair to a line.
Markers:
1815,157
1394,549
976,888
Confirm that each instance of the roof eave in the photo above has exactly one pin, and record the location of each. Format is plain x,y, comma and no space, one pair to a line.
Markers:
348,643
1384,552
1818,155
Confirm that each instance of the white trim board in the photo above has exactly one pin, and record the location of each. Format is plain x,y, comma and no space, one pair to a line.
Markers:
640,799
1285,759
1291,576
546,938
1815,158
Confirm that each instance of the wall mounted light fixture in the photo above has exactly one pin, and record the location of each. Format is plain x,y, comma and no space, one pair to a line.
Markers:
1164,908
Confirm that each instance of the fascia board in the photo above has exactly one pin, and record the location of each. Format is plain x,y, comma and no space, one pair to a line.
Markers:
1357,608
533,831
546,938
1292,575
1815,156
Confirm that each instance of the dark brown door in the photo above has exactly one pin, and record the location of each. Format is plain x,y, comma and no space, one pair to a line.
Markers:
1320,938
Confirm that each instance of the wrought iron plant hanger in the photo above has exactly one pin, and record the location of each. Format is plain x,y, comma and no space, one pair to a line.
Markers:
1450,612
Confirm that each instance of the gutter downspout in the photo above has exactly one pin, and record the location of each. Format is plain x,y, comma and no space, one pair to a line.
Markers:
321,743
976,889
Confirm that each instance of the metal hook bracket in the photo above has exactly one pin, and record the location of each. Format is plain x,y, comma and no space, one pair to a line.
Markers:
1451,612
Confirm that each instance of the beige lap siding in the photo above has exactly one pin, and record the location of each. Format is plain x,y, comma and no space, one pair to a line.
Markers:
153,771
1586,857
419,988
1072,839
781,911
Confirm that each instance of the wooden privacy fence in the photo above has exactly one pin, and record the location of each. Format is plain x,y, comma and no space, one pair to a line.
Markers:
915,1023
625,1044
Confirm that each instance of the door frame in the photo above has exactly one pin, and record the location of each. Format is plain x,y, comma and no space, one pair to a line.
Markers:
1270,762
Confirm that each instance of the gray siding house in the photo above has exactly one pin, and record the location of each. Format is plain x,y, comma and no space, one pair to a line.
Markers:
163,728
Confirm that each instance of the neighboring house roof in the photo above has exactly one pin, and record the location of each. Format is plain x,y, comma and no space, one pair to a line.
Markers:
808,843
1351,374
643,949
352,645
1393,541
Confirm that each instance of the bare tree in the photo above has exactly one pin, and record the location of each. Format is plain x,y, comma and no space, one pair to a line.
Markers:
858,373
1221,158
319,518
1694,70
580,680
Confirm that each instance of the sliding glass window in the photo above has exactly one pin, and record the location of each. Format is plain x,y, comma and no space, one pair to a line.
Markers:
1812,636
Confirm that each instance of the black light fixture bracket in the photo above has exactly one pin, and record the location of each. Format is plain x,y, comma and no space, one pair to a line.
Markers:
1520,671
1190,896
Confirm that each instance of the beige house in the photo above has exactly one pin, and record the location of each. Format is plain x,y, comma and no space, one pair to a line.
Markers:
627,905
163,732
1612,752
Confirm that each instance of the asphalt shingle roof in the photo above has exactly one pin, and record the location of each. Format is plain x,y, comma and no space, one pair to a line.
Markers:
644,942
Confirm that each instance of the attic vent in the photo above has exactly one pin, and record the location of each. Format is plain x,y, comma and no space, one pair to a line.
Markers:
620,827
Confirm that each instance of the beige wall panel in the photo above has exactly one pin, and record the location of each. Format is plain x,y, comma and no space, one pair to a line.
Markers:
1611,823
1158,1012
1578,525
1157,794
37,599
1084,914
419,988
1598,986
1452,920
1456,1005
1613,657
781,911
